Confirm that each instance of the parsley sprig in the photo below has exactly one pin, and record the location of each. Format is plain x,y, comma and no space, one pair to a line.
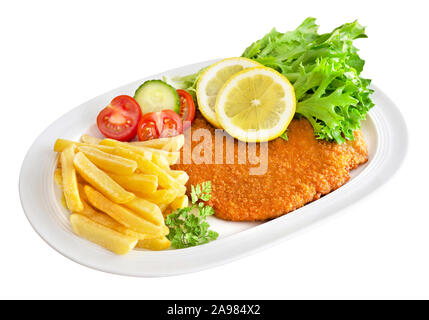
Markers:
189,227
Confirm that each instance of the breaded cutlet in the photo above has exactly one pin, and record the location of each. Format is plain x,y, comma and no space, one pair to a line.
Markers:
299,171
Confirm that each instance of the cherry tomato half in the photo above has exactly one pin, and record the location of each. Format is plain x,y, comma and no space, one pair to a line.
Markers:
162,124
187,108
120,118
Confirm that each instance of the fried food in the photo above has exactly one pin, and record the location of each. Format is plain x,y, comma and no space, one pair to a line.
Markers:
109,162
148,167
180,176
137,182
164,196
299,171
154,244
62,144
167,144
100,180
179,202
101,235
69,180
121,214
98,183
147,210
146,152
107,221
85,138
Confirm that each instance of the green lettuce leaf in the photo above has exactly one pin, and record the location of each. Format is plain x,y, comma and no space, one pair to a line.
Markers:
324,70
188,83
333,98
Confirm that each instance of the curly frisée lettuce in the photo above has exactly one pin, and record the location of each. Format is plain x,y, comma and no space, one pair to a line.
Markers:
333,98
188,83
325,72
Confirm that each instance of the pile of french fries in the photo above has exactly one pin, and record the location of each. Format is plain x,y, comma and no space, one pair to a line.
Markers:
117,192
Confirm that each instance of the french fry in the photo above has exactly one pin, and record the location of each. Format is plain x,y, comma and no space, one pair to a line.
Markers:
82,193
181,190
154,244
90,139
163,207
167,211
62,144
101,235
147,210
109,222
100,180
181,176
171,157
58,178
118,144
148,167
137,182
175,144
166,230
161,162
167,144
63,201
179,202
121,214
164,196
109,162
111,215
69,180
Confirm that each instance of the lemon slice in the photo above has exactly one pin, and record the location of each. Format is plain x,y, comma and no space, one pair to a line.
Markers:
256,105
212,80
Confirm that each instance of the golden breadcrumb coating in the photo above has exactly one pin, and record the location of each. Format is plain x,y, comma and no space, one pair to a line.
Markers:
299,171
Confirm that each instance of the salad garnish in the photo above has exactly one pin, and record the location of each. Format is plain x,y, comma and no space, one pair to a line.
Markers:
325,70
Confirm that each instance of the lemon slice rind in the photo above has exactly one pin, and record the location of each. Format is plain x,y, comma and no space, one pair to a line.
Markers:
208,75
259,135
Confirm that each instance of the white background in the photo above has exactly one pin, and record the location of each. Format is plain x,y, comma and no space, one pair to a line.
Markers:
55,55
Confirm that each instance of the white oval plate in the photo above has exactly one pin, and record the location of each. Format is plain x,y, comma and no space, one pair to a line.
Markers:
385,132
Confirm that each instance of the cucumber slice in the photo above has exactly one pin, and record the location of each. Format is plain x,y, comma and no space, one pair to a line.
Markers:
157,95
